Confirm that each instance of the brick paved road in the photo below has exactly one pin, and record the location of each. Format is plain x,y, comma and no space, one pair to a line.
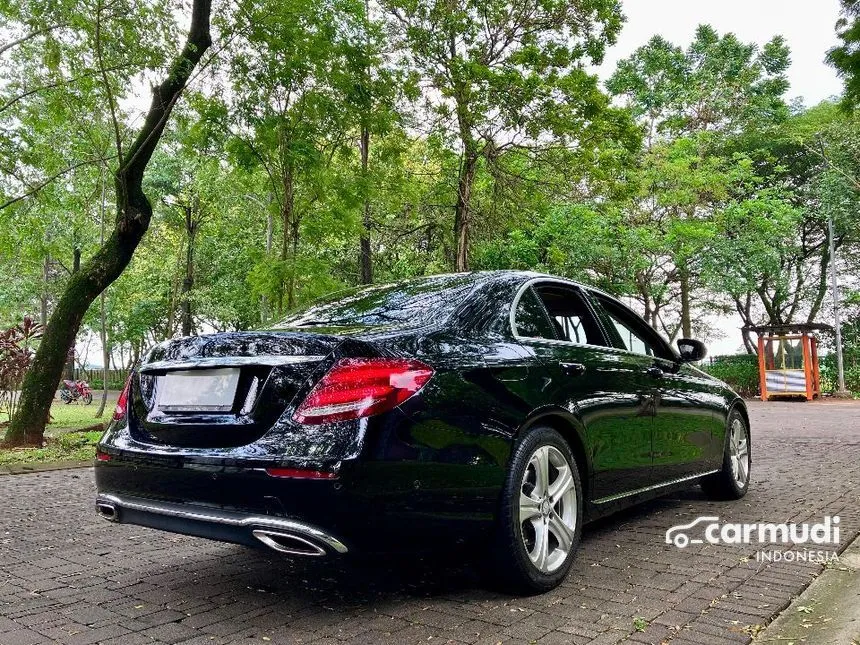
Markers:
67,576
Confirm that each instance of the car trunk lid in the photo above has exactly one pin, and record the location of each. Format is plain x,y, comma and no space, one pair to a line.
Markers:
226,389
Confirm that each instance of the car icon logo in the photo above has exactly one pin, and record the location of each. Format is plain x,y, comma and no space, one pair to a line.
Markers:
678,536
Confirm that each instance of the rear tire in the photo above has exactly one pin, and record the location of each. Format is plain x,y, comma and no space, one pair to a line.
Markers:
540,520
732,482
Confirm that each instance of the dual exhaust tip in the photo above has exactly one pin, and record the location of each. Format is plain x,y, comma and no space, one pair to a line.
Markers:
107,510
280,541
289,543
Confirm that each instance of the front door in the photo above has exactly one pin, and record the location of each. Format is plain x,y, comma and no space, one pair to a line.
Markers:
596,384
682,443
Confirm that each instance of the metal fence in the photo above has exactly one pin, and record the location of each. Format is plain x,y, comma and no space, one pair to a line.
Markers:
115,381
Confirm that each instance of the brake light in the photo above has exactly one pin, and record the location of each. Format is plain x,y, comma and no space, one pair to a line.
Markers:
122,402
361,387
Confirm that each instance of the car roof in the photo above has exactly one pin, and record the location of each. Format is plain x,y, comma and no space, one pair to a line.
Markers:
498,275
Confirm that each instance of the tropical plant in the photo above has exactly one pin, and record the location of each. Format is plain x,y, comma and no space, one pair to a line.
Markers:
17,345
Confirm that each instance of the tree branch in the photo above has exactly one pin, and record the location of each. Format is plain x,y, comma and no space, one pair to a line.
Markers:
30,36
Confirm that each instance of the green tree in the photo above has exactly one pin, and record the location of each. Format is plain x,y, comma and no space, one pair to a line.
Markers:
133,214
718,88
507,78
845,57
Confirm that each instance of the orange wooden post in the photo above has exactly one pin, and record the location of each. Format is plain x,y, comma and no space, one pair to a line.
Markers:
807,365
816,370
762,375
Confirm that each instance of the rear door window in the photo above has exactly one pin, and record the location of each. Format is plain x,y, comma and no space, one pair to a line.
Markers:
570,314
531,319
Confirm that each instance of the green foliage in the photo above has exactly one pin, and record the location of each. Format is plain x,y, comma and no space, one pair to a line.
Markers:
845,57
740,372
262,186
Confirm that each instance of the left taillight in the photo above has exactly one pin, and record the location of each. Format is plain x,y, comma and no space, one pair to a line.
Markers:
361,387
122,402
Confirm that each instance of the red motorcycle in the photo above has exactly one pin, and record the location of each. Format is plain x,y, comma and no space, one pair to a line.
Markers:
72,391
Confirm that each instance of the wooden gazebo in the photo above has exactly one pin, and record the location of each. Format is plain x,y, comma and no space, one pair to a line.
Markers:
788,360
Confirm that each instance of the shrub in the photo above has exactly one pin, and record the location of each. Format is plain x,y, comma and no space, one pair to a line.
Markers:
828,374
739,371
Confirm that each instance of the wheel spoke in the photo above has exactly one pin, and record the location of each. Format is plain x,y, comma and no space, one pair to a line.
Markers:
541,464
562,532
529,508
562,484
742,470
541,548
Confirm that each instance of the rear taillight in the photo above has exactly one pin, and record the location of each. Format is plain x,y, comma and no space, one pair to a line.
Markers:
361,387
122,402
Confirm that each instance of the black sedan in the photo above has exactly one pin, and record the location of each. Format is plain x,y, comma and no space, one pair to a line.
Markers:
503,409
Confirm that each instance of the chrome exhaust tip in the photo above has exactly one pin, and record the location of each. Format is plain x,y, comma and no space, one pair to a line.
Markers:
289,543
107,510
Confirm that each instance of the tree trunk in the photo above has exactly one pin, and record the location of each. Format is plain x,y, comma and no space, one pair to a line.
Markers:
69,369
188,280
684,281
270,232
365,257
290,240
134,212
461,212
103,312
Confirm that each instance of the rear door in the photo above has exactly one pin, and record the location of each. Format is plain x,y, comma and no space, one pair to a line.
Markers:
682,442
596,384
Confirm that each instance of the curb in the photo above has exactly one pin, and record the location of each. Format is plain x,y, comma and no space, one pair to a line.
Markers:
24,469
827,611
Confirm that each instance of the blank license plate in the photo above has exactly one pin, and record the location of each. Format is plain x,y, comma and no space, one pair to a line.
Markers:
198,390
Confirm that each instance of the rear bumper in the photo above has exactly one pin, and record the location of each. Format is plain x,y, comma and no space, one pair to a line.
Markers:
281,534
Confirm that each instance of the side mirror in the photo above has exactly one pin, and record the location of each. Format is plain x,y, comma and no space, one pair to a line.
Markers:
691,350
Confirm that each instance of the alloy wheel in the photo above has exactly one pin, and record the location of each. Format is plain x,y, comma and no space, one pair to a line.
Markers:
739,454
548,513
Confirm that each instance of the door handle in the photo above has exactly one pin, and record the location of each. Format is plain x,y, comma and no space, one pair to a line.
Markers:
573,369
654,372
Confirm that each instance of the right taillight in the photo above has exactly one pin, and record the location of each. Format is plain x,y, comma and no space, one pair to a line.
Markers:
122,402
361,387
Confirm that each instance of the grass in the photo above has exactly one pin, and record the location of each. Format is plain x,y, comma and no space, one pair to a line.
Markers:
76,416
71,446
70,436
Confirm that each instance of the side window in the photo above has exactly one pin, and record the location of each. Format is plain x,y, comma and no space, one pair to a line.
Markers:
634,334
631,341
530,318
571,317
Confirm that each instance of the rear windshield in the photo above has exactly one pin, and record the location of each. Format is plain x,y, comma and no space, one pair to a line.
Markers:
415,302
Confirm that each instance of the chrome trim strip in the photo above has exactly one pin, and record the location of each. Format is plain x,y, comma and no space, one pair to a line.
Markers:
645,489
567,343
548,341
269,360
230,518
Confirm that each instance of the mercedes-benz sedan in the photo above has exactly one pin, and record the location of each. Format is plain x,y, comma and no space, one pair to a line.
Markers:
503,409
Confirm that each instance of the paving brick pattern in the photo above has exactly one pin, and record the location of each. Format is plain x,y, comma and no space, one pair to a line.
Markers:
69,577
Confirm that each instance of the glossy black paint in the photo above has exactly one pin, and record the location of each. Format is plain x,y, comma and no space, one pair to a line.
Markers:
433,467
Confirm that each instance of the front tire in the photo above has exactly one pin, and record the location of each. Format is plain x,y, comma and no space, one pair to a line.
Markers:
540,519
733,481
